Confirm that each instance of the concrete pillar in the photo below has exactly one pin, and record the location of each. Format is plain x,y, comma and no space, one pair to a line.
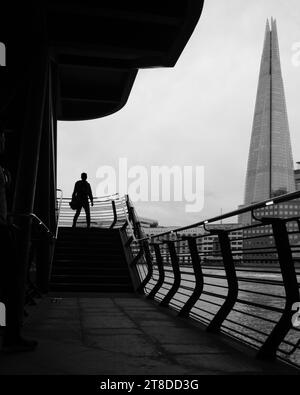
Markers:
43,196
26,179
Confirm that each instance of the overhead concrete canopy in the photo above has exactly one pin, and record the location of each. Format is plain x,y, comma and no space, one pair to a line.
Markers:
95,48
99,46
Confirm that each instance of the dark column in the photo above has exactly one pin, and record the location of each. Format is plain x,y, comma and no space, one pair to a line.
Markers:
28,167
42,199
53,144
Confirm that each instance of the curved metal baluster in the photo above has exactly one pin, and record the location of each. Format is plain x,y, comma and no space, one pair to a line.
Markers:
176,271
196,262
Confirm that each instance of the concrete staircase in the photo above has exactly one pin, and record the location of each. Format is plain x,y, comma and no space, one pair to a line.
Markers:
90,260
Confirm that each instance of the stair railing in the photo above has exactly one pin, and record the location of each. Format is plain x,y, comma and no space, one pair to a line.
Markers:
60,199
34,288
39,222
123,200
105,212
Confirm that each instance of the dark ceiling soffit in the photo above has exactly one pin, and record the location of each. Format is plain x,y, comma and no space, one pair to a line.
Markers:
111,13
84,117
114,57
193,15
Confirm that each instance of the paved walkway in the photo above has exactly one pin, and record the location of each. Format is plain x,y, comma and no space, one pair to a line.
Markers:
124,335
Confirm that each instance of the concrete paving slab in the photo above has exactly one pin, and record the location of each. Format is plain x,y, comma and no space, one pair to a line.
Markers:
114,335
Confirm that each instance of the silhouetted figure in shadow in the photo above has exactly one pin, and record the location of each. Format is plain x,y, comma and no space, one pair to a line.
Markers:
10,286
82,193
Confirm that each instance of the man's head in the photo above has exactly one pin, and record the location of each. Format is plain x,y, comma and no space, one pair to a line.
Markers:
83,176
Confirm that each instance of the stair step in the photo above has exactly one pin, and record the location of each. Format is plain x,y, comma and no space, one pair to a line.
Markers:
80,287
87,233
84,233
85,246
86,243
90,260
89,250
91,256
91,230
90,279
89,269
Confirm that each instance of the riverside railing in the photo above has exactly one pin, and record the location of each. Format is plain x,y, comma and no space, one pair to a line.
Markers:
239,278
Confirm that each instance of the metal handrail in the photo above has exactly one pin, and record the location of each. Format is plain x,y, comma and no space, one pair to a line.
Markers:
116,197
101,210
127,218
59,210
251,207
96,198
41,223
227,297
34,216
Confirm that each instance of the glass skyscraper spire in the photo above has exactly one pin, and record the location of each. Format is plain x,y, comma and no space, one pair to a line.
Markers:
270,163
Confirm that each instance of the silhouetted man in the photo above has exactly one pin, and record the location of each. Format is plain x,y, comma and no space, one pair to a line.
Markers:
82,193
10,287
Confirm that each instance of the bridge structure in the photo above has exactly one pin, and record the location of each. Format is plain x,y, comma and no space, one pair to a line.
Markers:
114,300
253,302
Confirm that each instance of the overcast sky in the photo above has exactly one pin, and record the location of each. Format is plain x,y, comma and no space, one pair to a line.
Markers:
198,113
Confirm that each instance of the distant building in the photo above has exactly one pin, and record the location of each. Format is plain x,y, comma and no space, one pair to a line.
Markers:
208,245
297,177
270,164
260,240
148,223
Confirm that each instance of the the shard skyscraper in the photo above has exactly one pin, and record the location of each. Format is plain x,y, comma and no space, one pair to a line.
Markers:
270,162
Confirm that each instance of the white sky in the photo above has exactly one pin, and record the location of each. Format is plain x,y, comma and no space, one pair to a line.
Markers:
198,113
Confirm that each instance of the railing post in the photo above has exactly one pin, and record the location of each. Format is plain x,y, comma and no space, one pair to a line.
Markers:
133,218
129,209
161,273
196,262
148,257
113,204
176,271
289,277
231,278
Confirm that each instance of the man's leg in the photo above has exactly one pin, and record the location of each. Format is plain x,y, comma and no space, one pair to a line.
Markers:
87,213
76,215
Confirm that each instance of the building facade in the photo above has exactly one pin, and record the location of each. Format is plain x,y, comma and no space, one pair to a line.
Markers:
208,244
270,163
297,178
270,170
